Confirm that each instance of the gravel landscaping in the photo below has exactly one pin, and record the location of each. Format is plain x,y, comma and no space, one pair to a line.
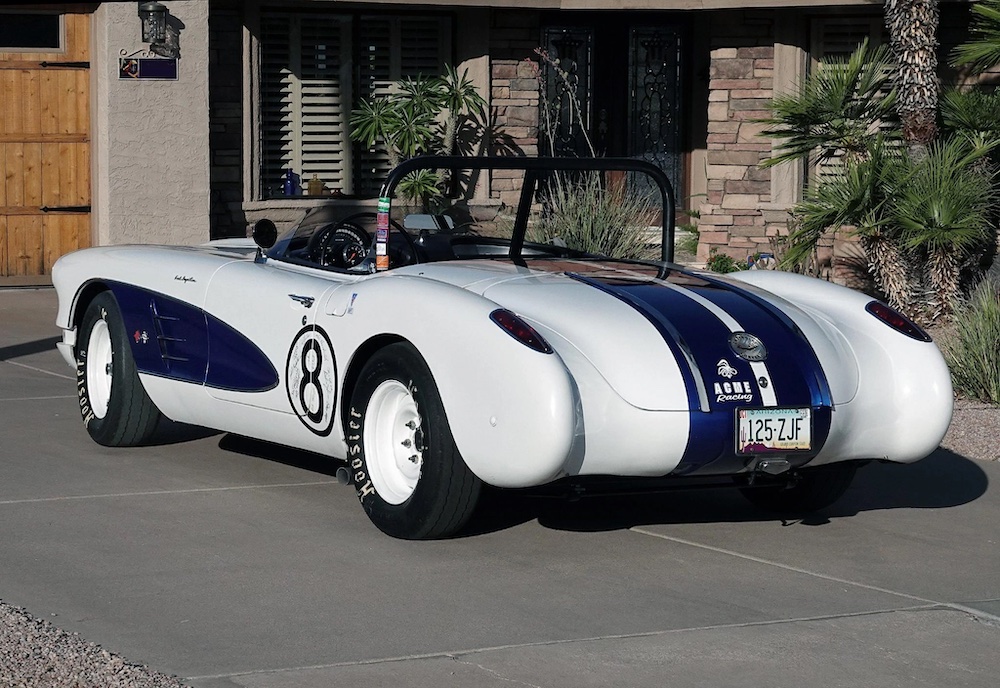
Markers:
36,654
974,431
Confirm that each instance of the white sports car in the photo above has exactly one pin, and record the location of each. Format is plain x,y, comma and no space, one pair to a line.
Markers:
431,359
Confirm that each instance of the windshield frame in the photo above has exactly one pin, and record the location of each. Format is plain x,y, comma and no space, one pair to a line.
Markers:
535,170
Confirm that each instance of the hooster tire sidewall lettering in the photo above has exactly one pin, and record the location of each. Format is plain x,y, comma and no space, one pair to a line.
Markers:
356,458
82,390
311,379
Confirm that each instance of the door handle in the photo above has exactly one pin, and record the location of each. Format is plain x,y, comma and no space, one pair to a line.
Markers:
306,301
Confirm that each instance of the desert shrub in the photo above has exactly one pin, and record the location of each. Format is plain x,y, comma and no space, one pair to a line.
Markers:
972,350
585,214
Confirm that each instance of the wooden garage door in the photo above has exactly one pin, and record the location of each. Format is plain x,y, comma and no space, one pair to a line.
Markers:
44,142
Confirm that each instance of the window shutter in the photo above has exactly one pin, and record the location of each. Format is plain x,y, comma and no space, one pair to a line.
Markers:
393,48
277,95
837,38
423,46
325,100
305,90
377,75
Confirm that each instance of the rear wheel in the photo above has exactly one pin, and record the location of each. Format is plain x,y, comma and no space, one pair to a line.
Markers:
410,478
113,403
811,489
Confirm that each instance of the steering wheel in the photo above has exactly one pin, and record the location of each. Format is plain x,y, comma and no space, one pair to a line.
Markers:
341,244
346,244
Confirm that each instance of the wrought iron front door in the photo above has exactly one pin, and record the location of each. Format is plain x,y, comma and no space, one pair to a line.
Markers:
654,132
621,83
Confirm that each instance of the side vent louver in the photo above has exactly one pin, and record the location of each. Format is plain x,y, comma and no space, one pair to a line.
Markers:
168,344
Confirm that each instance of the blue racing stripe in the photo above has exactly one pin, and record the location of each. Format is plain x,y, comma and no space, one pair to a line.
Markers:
790,354
689,327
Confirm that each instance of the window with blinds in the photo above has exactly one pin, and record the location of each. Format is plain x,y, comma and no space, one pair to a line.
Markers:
314,69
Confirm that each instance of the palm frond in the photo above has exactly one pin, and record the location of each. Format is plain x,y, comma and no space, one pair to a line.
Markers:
414,130
421,92
970,111
944,202
374,120
856,198
983,50
459,93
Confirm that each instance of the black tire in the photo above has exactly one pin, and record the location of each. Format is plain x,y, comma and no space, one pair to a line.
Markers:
115,408
810,490
396,409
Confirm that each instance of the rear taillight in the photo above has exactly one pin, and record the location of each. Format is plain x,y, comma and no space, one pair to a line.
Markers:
520,330
897,321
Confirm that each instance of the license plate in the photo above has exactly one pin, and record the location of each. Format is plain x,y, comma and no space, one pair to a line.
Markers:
768,430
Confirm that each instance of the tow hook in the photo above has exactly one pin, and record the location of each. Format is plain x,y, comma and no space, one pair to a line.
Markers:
770,467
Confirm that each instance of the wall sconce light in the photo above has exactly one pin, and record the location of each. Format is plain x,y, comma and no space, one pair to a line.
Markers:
154,22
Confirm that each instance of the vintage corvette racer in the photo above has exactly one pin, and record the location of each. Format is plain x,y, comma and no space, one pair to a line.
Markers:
434,359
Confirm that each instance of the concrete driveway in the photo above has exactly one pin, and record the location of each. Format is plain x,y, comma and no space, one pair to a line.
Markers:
230,562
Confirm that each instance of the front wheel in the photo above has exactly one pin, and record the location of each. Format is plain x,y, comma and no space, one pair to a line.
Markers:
113,403
810,490
410,478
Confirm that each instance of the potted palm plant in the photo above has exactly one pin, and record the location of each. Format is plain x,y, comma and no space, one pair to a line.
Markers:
421,115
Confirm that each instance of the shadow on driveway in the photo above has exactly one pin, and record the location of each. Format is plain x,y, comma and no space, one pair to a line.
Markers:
941,480
28,348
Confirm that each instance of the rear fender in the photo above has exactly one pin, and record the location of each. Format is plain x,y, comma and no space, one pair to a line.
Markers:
904,401
510,409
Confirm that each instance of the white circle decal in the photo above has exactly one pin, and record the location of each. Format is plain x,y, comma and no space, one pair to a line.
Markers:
311,377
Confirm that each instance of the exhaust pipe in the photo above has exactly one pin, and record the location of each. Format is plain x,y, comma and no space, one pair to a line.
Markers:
343,476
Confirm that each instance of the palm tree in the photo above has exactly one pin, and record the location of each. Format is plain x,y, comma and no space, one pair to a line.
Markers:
913,26
860,197
943,208
835,110
403,121
458,96
923,221
421,115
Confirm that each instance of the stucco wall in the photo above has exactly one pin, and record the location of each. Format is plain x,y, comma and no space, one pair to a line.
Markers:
150,138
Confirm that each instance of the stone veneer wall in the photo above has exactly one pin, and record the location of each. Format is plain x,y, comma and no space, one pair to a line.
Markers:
514,35
738,217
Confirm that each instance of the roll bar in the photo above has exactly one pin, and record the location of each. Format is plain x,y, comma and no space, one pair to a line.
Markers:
535,169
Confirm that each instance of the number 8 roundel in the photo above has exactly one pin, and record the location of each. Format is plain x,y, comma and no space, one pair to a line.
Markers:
311,378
